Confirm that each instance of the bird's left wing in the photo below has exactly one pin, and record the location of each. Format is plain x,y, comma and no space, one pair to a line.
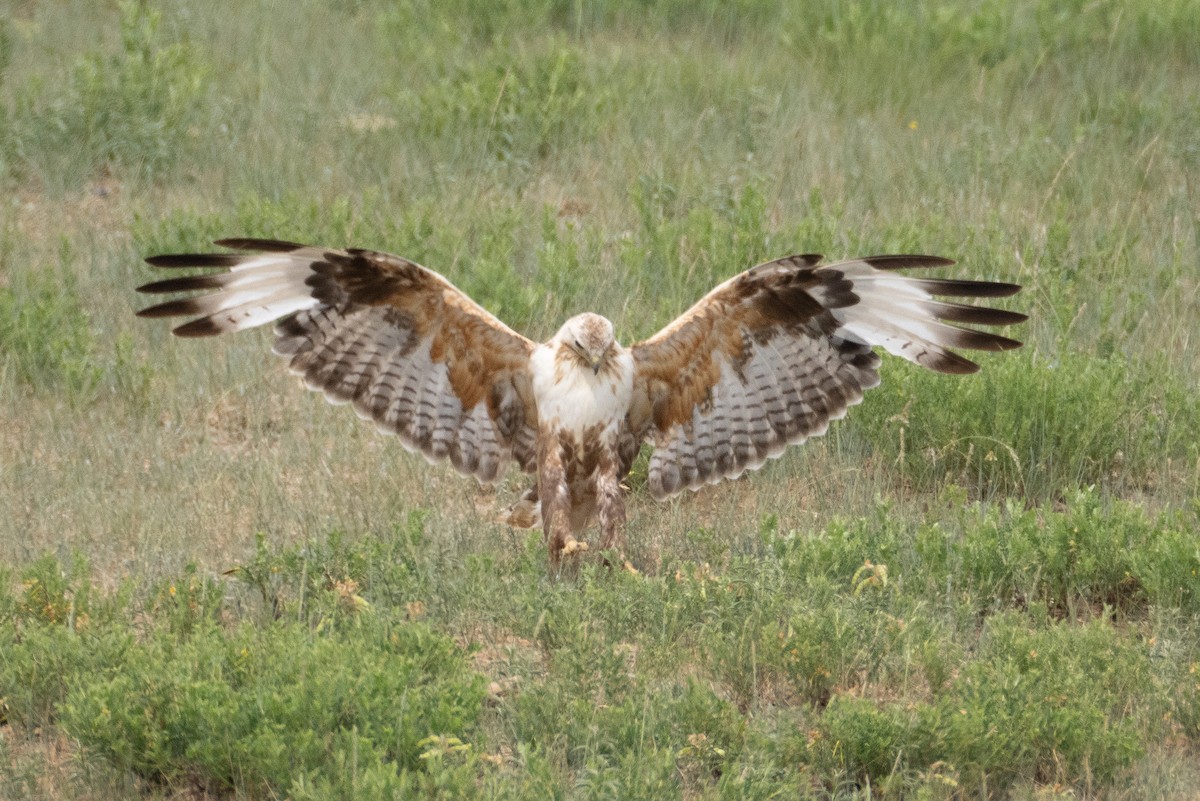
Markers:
769,357
402,344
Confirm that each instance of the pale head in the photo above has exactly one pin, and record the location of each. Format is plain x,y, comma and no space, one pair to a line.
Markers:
590,338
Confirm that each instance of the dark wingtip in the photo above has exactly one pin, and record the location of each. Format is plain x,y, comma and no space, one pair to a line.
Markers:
1001,290
194,260
223,259
956,364
950,362
984,340
210,281
974,315
954,287
204,327
997,317
266,245
963,367
901,261
172,308
1004,343
153,311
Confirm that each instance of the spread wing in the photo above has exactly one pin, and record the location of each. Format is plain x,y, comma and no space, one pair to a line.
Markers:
397,341
769,357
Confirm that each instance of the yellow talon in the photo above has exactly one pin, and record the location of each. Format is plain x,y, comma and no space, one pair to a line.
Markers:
573,545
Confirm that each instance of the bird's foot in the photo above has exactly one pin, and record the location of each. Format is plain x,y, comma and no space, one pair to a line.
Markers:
572,545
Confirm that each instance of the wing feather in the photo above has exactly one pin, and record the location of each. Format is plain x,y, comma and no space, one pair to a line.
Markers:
399,342
771,356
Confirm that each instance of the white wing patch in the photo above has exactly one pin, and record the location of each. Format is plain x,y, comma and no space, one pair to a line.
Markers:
257,292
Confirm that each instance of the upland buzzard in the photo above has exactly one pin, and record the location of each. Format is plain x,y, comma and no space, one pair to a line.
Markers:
763,361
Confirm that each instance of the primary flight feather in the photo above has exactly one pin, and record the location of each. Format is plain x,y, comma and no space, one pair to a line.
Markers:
763,361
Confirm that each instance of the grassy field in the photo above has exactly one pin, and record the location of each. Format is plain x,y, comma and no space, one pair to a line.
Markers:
213,585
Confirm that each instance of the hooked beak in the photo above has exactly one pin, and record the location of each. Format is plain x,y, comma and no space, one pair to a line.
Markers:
595,361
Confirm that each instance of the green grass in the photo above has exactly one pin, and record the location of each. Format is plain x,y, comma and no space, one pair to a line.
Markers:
212,584
1000,650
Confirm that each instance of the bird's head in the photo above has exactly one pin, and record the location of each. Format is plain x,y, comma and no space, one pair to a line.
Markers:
587,339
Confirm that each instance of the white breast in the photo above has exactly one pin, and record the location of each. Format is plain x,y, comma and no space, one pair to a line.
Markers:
572,397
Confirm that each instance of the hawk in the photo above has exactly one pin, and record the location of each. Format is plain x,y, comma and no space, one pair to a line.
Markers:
763,361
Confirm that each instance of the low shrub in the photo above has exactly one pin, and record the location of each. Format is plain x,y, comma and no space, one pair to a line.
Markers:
175,689
255,707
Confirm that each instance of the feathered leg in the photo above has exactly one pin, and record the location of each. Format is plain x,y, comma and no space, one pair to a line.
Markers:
555,497
611,502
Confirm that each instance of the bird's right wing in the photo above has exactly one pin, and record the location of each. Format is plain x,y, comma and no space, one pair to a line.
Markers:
399,342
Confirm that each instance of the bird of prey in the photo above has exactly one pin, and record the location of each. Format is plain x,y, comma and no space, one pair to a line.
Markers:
763,361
